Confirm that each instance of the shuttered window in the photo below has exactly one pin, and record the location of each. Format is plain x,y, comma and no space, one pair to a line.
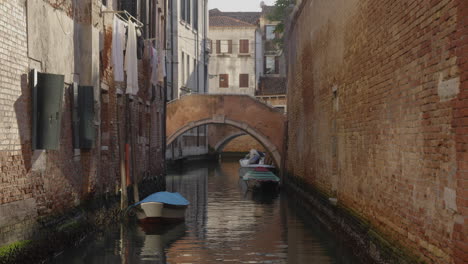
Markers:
195,14
243,80
182,9
276,65
224,81
189,11
229,42
224,46
130,6
244,46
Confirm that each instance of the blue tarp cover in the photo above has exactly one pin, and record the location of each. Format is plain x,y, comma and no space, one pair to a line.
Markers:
165,197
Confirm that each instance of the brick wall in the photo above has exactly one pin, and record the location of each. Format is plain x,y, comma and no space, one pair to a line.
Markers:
43,183
376,109
16,184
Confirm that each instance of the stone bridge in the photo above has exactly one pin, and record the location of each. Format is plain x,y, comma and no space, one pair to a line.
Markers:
264,123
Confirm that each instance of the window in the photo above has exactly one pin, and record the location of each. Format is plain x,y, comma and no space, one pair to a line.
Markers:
224,81
270,32
243,80
244,46
224,46
130,6
188,11
271,65
104,2
144,16
195,85
182,10
195,14
185,11
188,71
183,69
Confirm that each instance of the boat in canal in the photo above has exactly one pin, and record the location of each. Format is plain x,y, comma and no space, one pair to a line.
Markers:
261,178
254,159
161,207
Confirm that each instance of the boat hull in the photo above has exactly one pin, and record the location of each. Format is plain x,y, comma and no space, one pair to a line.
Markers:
245,163
154,212
259,184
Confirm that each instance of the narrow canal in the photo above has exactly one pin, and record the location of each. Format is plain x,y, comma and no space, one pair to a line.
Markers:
225,223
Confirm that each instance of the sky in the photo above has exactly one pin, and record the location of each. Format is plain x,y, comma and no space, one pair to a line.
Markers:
238,5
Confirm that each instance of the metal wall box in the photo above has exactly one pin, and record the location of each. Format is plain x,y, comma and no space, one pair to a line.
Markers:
47,91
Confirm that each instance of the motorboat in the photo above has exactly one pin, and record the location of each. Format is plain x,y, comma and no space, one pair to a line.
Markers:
254,159
261,178
161,207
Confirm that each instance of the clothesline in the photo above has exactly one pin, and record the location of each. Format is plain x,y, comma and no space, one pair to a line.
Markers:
129,16
127,48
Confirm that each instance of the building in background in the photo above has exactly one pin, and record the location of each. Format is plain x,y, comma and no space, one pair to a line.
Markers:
271,67
232,67
75,148
187,68
246,58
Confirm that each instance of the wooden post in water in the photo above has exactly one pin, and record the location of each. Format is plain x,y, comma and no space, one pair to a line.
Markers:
123,176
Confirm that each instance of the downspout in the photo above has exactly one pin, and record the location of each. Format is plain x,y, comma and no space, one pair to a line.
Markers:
171,34
197,52
163,118
205,21
255,61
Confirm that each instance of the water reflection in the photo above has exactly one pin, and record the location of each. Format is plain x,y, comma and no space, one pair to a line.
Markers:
225,223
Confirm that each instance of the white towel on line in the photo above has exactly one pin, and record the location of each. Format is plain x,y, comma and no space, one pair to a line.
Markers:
118,43
131,61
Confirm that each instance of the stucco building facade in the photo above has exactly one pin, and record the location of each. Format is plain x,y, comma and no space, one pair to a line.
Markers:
187,67
232,68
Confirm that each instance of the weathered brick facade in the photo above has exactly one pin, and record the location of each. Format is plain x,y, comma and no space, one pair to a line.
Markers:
37,183
377,98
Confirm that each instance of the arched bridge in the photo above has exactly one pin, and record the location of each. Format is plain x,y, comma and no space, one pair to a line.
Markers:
264,123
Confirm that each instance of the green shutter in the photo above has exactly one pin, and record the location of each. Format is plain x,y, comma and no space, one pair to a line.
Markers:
86,116
47,105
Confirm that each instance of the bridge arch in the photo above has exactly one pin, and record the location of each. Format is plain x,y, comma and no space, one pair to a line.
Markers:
255,118
223,142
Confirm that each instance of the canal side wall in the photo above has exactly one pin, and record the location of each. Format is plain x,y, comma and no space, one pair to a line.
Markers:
70,38
377,114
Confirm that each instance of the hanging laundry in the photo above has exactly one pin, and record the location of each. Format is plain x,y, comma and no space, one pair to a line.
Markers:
164,64
140,45
118,43
131,62
154,67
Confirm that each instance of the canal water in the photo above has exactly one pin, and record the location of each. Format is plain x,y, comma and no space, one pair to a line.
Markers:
225,223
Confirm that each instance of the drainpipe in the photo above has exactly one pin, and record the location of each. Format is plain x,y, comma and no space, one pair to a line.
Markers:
205,26
163,118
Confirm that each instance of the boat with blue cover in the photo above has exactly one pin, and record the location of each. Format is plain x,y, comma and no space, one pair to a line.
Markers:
162,206
261,177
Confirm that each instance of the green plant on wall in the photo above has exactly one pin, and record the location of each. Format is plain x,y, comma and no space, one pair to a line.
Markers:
280,13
